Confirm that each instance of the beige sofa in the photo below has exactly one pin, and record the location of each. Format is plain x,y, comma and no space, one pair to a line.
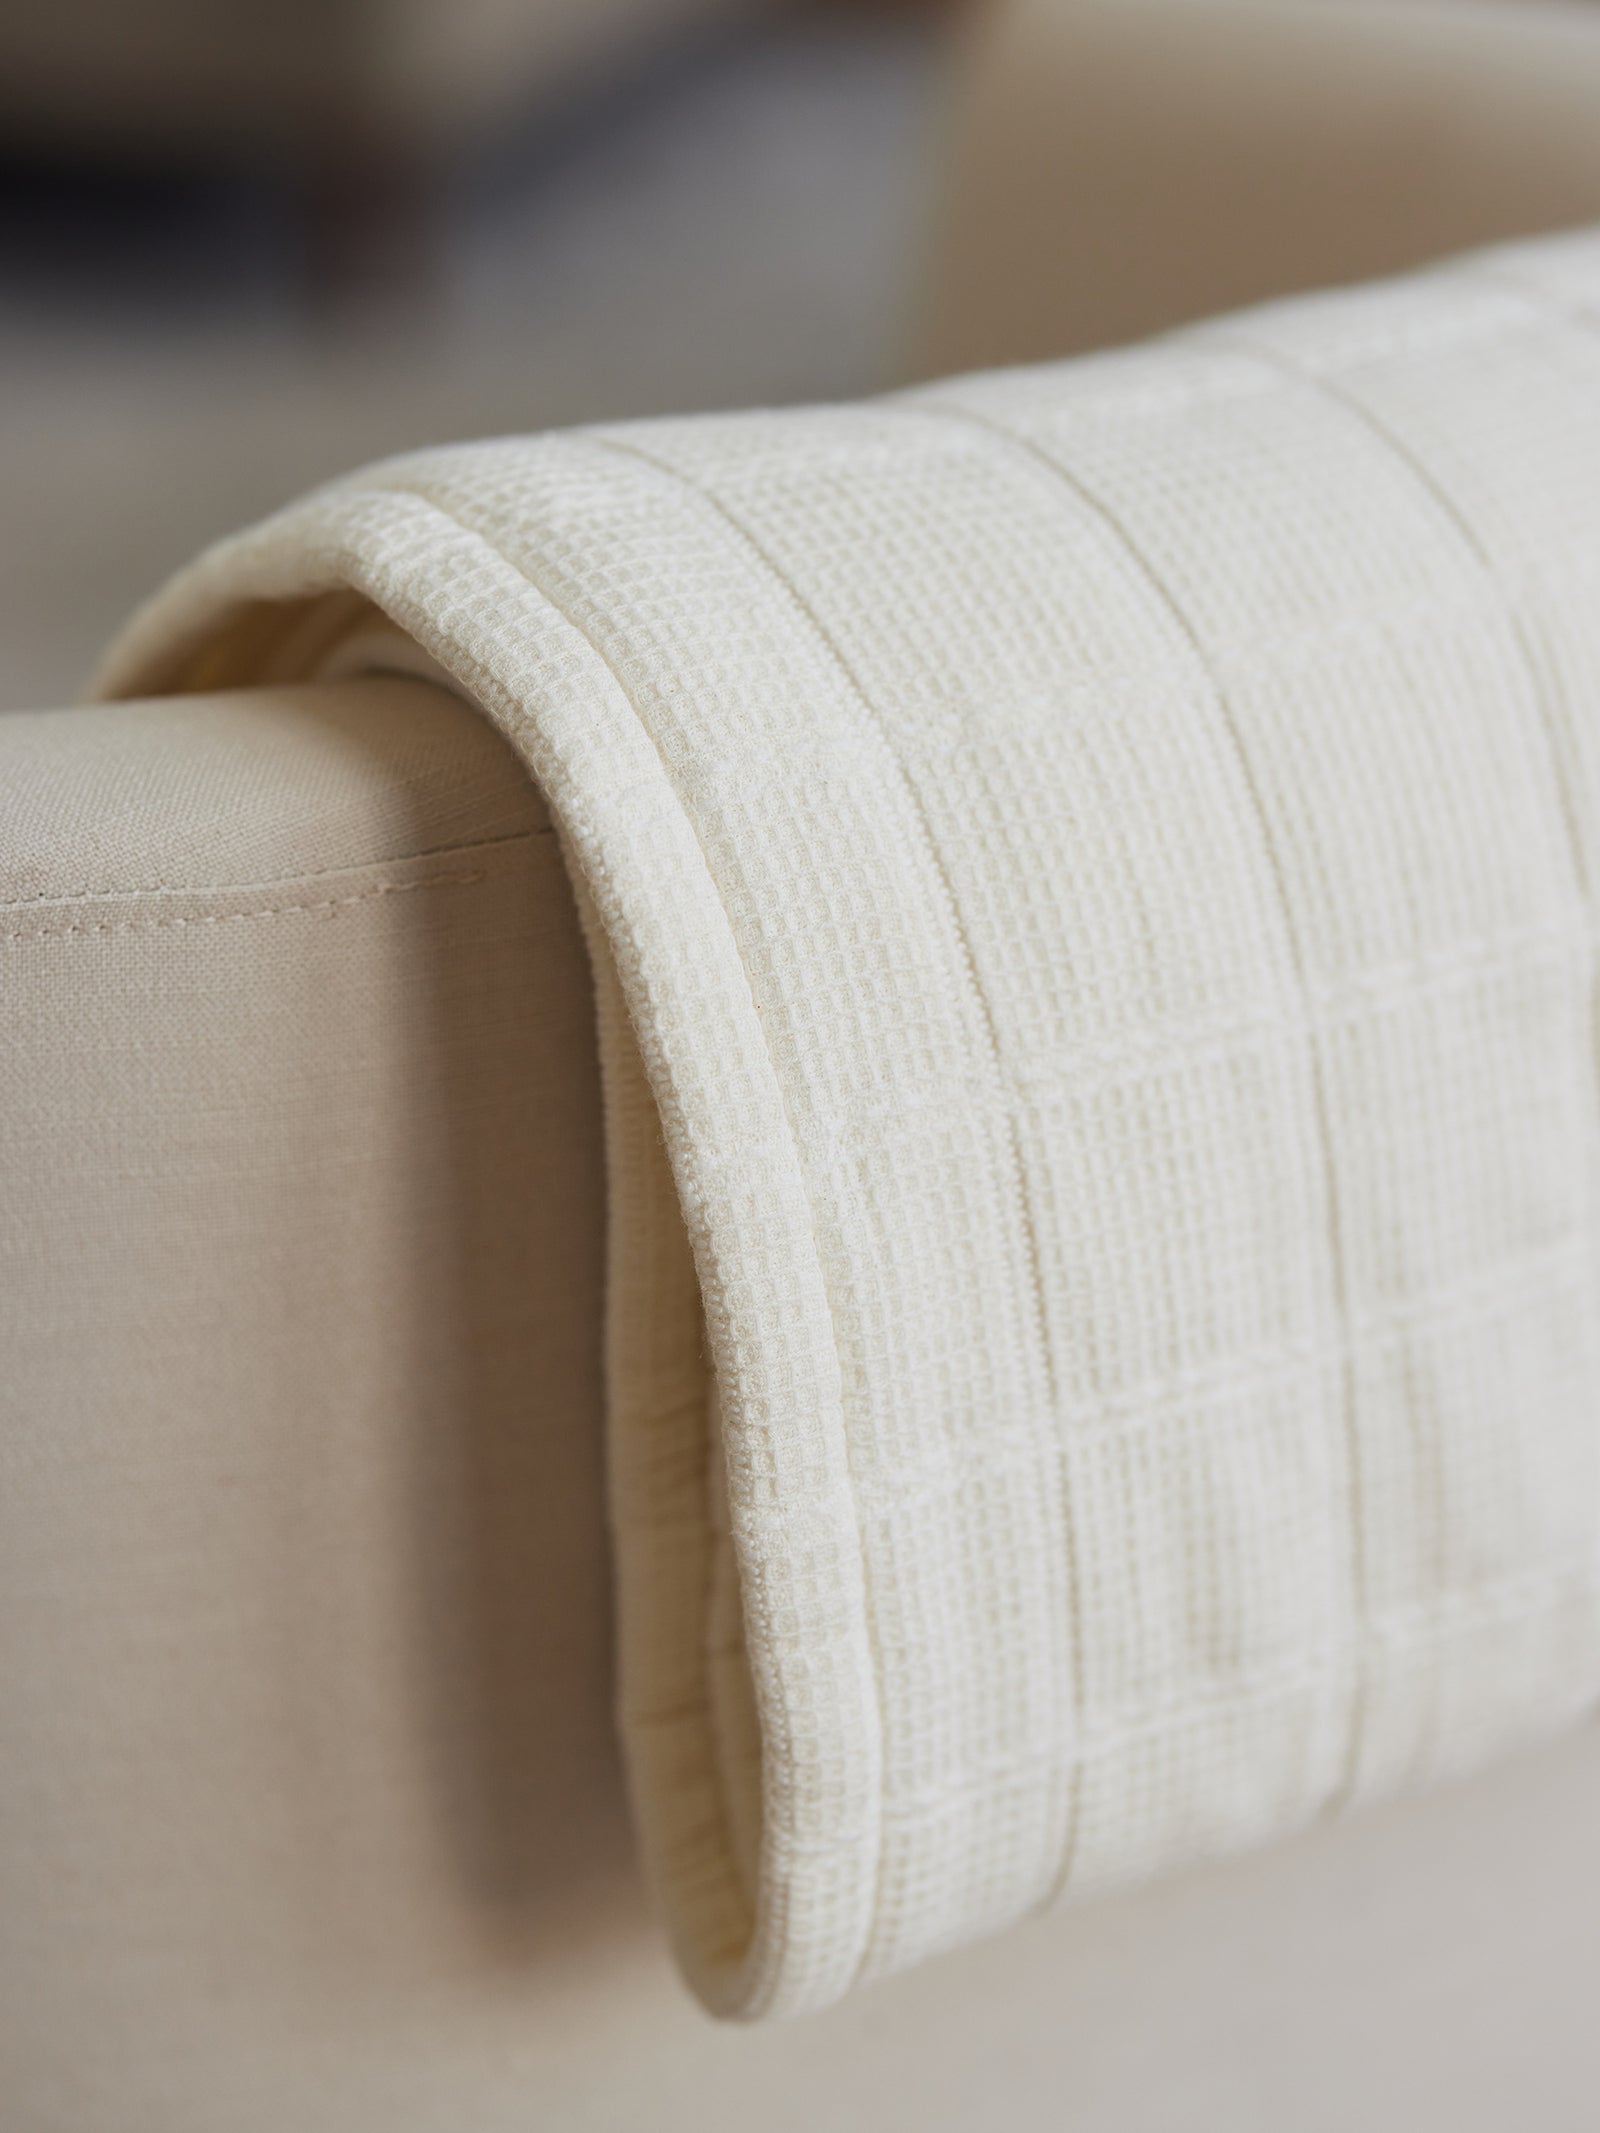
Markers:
309,1810
311,1814
1117,167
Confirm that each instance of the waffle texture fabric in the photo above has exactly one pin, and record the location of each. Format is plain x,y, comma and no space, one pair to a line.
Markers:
1091,878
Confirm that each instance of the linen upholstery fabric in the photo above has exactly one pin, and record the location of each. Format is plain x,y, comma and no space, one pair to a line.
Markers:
1113,168
309,1809
1097,864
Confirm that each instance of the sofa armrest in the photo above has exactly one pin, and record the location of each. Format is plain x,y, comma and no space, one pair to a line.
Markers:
301,1533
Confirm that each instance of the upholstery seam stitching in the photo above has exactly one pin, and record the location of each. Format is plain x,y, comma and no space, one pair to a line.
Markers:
485,845
229,918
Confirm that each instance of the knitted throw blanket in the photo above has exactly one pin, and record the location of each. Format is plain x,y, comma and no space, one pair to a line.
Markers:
1091,875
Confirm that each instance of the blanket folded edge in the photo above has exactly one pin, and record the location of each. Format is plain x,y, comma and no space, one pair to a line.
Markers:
702,1172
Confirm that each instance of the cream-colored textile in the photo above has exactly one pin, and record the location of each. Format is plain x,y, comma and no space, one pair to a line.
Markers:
1098,864
1113,168
309,1813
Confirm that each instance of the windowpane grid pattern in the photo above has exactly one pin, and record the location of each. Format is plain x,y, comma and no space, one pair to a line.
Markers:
1092,878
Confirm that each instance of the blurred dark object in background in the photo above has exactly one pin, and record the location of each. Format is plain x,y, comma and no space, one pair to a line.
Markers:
358,109
709,205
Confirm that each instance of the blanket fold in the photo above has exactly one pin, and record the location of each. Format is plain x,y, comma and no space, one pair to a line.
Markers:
1090,873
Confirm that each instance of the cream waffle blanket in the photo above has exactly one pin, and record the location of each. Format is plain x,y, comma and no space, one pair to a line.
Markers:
1091,874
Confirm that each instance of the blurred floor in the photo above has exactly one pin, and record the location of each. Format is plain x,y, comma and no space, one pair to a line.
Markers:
740,227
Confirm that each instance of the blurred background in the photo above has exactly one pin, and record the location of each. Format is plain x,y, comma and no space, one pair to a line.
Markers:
246,245
237,258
